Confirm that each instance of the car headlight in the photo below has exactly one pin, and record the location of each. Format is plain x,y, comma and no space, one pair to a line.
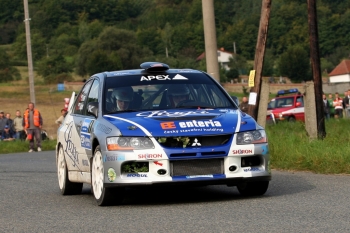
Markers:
251,137
129,143
280,115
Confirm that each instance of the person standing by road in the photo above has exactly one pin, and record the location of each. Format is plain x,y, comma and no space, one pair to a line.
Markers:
17,124
326,108
61,118
331,107
346,104
244,105
3,122
338,106
32,123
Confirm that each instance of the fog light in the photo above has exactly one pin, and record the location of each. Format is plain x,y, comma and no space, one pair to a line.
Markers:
161,171
232,168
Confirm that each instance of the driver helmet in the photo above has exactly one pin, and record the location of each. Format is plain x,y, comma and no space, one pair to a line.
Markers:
175,93
125,94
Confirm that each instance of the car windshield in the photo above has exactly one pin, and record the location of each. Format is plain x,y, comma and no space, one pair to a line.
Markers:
281,103
157,92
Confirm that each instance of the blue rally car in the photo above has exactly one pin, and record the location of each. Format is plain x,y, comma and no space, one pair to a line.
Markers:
158,126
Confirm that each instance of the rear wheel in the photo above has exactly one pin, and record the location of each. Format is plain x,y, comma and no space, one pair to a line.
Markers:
291,119
253,188
67,187
103,196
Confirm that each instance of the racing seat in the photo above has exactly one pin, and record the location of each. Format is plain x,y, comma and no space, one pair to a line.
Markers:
136,103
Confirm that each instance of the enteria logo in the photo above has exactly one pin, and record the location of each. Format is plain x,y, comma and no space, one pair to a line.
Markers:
191,124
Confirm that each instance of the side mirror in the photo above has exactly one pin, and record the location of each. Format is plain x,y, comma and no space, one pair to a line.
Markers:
298,104
235,99
92,109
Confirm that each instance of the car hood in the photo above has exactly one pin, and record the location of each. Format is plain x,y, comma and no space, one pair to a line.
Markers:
172,123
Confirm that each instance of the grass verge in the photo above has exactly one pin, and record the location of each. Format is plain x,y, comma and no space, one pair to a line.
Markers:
23,146
291,148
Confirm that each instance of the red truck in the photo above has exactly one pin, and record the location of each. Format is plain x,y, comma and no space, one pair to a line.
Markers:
288,105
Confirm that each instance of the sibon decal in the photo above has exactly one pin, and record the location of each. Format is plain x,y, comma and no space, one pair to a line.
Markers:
150,156
242,152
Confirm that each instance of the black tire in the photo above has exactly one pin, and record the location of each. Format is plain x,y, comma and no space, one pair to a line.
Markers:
103,196
67,187
291,119
253,188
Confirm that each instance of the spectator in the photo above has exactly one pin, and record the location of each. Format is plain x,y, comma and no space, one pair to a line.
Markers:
32,123
10,121
3,122
346,105
17,124
338,106
326,108
7,134
331,107
244,105
61,118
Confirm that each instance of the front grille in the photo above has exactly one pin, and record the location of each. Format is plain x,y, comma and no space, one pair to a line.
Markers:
197,167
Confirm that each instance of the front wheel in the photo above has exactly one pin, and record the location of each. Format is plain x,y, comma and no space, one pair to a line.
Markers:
253,188
103,196
67,187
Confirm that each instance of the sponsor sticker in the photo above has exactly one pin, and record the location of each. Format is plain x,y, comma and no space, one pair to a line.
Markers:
112,158
111,174
150,156
155,77
242,152
85,140
136,175
252,169
171,114
191,126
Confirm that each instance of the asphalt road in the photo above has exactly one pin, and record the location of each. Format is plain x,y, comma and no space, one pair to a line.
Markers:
30,201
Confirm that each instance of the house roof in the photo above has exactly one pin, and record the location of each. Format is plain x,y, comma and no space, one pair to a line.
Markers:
342,68
200,57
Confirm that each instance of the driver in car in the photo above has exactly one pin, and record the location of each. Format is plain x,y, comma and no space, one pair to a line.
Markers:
178,94
121,97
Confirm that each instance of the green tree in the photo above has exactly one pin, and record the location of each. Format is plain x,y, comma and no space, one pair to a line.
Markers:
239,63
54,66
101,61
38,46
295,64
7,72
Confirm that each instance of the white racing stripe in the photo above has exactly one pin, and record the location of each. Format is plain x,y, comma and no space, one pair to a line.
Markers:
155,143
238,126
131,122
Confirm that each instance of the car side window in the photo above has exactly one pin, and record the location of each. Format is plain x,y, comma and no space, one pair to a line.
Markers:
300,100
93,94
81,99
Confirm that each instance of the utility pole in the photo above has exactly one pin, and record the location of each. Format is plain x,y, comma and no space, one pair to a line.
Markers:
211,50
29,52
316,70
259,56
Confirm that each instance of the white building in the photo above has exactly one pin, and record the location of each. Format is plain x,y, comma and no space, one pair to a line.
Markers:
223,57
341,73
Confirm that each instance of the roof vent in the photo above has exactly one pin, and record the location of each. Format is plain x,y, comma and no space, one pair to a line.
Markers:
154,66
